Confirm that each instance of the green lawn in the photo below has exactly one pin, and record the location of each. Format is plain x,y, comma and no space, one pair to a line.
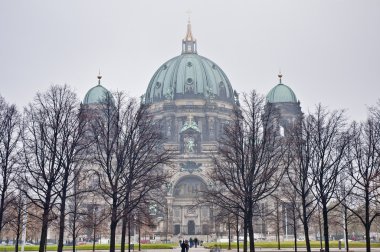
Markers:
259,244
89,247
290,244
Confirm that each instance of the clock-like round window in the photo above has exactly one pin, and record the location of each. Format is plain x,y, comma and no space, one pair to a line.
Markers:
189,81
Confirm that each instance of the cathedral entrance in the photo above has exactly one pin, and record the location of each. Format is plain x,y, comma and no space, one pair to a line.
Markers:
191,227
186,212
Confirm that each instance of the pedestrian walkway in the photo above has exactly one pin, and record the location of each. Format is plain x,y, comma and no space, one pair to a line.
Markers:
202,249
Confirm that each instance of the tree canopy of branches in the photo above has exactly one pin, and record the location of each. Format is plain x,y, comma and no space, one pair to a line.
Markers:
251,161
9,148
128,153
50,140
302,153
145,156
364,173
329,143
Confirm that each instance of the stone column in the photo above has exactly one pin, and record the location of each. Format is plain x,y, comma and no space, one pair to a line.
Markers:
169,217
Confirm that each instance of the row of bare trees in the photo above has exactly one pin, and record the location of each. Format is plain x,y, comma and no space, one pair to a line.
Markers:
321,163
128,149
10,120
58,156
336,166
246,167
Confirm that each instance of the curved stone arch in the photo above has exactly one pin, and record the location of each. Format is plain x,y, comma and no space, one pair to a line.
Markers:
188,186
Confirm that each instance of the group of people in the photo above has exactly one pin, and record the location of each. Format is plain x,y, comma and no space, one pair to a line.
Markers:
185,244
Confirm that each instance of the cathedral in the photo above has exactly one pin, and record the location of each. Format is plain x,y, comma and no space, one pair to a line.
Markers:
193,98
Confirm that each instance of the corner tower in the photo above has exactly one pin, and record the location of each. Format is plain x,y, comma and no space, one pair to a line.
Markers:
192,99
284,100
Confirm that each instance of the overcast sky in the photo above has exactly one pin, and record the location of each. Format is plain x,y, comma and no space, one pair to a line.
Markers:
328,51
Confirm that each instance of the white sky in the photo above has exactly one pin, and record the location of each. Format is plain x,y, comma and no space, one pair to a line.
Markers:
328,51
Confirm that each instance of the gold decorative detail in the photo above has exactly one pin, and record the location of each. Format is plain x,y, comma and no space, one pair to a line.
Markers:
99,77
280,76
189,34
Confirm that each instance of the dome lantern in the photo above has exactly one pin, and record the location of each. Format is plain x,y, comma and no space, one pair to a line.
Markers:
189,44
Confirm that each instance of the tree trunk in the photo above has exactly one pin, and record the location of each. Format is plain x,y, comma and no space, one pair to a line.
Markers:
62,217
74,232
346,229
124,223
367,225
2,200
74,227
94,237
113,226
295,229
45,222
19,224
278,225
250,230
245,247
139,238
305,224
237,233
367,238
229,234
123,233
129,235
325,225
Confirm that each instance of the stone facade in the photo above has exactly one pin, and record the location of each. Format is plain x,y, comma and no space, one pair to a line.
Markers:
192,127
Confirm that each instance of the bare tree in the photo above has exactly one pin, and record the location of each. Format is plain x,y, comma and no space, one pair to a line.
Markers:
364,172
92,216
145,157
47,141
73,156
251,161
78,210
291,208
329,143
9,148
106,131
128,152
17,212
302,152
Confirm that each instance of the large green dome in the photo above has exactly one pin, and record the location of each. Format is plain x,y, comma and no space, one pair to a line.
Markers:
97,94
281,93
189,75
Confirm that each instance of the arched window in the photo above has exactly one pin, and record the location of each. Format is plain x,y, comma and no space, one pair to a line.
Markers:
189,187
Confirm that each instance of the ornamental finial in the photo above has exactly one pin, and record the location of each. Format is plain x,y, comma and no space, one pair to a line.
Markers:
99,77
189,34
280,76
189,44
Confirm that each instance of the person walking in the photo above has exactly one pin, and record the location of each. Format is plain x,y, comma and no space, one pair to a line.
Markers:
187,246
183,246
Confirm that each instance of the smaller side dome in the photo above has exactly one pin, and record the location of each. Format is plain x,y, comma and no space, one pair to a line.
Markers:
96,94
281,93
